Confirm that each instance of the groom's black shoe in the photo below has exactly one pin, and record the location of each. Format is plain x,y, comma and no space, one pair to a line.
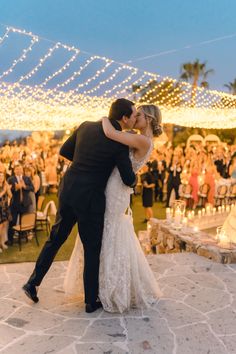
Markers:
89,308
31,292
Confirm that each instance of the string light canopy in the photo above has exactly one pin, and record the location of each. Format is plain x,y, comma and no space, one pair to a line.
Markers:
52,86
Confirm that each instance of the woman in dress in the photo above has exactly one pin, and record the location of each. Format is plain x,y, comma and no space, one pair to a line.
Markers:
148,183
125,278
5,195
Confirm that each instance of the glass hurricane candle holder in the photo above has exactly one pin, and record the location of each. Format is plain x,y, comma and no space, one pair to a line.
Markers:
178,211
222,238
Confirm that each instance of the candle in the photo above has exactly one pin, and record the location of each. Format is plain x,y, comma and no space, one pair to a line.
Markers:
219,209
185,221
195,229
223,238
177,216
193,214
208,209
203,211
168,214
199,213
227,208
214,211
223,209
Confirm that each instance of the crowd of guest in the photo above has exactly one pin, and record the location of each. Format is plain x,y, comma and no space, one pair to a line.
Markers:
195,166
31,167
28,168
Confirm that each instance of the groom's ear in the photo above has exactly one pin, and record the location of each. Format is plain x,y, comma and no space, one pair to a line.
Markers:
125,119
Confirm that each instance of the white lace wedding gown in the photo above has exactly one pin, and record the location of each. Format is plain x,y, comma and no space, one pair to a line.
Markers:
125,278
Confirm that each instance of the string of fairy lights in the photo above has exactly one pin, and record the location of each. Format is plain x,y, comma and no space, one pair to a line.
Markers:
51,86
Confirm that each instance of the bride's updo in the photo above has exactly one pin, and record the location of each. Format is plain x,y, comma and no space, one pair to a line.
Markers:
153,112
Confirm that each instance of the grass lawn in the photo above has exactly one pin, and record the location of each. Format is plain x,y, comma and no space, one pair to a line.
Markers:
30,250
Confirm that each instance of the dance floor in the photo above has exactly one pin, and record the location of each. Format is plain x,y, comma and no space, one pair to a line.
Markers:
197,313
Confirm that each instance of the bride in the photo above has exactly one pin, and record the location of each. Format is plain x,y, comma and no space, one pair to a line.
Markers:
125,278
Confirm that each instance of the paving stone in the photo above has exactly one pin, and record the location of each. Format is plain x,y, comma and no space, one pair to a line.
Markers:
206,280
229,279
223,321
172,293
8,334
33,319
160,267
5,289
75,310
70,328
180,283
197,339
35,344
99,348
105,330
211,268
60,324
179,270
208,299
189,258
177,313
7,307
150,335
131,313
230,343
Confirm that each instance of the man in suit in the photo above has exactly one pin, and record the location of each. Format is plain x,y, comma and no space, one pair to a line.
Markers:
82,198
21,186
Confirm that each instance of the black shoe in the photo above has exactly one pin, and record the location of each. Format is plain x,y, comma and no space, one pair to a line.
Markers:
9,243
89,308
31,292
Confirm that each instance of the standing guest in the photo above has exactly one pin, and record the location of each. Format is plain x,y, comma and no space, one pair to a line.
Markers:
5,194
173,180
193,181
20,202
36,182
232,168
210,180
51,172
32,206
147,193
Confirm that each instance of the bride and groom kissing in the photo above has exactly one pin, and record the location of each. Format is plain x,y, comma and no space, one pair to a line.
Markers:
95,193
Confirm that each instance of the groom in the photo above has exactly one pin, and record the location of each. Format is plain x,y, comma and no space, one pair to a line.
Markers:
82,198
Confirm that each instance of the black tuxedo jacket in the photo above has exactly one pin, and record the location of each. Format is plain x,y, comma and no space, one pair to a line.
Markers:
16,203
93,158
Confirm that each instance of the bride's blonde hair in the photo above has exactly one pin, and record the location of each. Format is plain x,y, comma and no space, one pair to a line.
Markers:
153,112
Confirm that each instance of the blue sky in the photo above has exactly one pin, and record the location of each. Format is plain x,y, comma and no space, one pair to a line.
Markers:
128,29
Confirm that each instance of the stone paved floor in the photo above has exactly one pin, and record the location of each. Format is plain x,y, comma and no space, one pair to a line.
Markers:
197,314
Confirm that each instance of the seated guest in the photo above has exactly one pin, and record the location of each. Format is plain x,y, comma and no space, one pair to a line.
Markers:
20,202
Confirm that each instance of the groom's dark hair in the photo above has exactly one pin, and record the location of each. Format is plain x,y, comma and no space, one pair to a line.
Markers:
119,108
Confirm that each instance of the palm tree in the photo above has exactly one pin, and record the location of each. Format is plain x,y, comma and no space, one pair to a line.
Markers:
232,87
193,72
165,92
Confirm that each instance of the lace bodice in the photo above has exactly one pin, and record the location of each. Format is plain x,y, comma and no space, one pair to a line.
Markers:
117,193
137,164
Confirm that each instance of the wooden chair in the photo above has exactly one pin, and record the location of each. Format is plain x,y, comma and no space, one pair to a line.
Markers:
187,195
40,202
27,225
232,193
43,217
203,192
221,195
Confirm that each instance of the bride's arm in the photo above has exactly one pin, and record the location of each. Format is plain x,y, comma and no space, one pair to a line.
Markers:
136,141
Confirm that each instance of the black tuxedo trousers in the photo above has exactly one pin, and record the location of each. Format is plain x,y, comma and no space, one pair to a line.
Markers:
90,226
